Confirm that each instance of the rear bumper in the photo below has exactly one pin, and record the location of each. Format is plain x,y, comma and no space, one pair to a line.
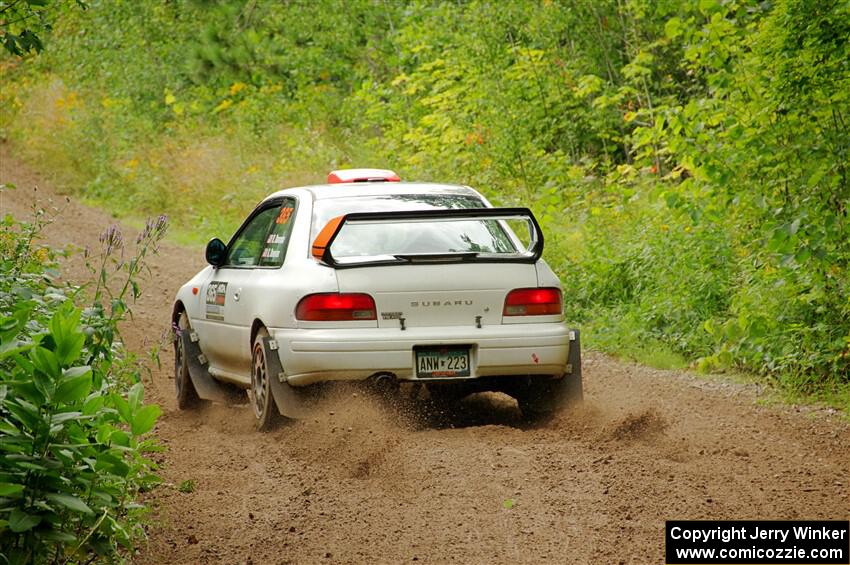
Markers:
316,355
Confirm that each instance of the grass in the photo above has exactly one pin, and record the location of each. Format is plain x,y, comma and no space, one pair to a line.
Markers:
620,337
624,342
187,486
836,397
653,354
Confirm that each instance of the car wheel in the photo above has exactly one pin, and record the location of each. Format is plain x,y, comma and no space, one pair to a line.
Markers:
187,396
444,400
445,396
260,393
533,411
541,399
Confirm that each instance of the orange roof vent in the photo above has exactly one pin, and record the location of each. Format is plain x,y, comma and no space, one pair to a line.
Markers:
362,175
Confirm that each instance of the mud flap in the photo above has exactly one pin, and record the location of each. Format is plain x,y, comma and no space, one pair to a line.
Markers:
574,388
549,396
291,402
205,385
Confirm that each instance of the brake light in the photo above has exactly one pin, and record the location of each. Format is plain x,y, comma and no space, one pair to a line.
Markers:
533,302
362,175
336,307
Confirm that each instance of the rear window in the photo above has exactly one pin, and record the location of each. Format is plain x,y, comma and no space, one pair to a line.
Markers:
461,236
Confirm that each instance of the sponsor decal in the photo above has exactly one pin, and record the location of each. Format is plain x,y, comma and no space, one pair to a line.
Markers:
271,253
215,299
275,239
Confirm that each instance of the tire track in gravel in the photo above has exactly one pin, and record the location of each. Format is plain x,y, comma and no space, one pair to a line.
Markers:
363,484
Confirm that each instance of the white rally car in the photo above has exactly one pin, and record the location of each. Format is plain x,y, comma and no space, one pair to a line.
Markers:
370,279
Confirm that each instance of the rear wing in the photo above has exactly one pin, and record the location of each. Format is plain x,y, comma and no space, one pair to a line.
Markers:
530,252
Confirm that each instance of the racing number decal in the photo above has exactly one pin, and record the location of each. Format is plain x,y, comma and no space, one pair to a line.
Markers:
285,214
216,295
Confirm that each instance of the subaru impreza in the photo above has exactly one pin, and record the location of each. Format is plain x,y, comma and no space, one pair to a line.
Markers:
367,278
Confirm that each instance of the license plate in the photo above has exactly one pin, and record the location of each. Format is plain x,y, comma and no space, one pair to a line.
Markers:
442,362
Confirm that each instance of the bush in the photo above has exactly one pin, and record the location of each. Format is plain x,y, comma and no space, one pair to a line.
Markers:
73,424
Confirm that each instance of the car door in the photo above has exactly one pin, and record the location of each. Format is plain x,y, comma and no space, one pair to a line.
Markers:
225,324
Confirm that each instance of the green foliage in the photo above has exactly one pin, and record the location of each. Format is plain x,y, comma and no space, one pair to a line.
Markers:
73,445
187,486
688,159
22,22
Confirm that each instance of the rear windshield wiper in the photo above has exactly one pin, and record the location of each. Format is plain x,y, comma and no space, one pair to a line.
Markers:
437,257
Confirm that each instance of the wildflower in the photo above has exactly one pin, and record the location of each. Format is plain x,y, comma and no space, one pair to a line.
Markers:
154,229
41,255
224,105
112,238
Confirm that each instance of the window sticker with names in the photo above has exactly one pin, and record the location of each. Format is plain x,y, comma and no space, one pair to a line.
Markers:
275,244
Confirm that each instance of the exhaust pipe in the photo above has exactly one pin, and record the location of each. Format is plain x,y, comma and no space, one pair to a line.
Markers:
384,383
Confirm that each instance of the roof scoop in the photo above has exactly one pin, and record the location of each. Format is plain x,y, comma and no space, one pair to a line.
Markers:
362,175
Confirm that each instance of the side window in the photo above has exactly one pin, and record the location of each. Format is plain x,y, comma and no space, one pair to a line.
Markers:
274,248
245,249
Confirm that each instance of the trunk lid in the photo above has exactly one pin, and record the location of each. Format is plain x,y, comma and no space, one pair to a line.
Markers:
438,295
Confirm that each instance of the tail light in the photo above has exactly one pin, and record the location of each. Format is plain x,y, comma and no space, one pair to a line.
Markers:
533,302
336,307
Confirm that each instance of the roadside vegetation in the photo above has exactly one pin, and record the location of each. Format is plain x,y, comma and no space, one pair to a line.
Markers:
688,159
74,445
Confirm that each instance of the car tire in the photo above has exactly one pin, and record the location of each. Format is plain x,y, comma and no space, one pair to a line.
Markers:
447,395
260,394
187,396
540,399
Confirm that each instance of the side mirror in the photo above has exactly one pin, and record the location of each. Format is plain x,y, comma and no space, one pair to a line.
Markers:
216,252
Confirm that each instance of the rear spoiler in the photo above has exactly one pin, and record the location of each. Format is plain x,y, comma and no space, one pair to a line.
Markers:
321,248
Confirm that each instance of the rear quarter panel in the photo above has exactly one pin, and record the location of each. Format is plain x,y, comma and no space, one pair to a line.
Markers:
546,276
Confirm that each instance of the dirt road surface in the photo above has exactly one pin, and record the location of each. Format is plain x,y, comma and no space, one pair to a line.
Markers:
361,484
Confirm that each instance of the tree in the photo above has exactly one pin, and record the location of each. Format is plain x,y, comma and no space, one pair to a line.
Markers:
22,22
